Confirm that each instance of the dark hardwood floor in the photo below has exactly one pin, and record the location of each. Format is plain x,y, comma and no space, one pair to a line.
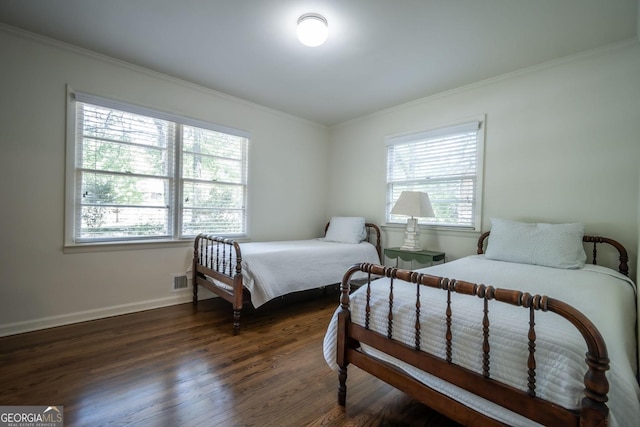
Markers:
178,367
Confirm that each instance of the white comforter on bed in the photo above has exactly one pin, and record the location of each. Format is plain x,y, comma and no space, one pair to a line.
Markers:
273,269
604,295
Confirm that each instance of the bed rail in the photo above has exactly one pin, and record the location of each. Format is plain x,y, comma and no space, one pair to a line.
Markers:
623,257
594,410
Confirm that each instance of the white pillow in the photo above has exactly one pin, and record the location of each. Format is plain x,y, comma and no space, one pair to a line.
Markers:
551,245
346,229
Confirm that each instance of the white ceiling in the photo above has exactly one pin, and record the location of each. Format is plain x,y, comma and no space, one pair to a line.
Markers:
380,53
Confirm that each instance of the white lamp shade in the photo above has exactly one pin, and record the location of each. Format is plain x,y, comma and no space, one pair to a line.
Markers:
413,204
312,29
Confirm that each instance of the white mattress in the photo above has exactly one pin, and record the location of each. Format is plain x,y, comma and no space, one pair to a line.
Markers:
604,295
273,269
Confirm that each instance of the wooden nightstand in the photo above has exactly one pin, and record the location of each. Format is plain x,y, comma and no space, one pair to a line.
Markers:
422,257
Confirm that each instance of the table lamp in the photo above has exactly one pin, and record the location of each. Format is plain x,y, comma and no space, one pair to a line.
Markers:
414,204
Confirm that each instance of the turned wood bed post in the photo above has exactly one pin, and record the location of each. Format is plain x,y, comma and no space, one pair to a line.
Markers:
369,226
623,258
344,317
238,289
593,408
194,269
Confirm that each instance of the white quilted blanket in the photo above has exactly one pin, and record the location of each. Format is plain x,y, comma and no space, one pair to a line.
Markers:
273,269
605,296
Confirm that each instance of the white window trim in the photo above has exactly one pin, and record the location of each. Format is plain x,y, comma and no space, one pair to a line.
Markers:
444,129
70,244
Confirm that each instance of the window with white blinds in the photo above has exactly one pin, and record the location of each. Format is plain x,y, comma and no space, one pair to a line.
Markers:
139,174
445,163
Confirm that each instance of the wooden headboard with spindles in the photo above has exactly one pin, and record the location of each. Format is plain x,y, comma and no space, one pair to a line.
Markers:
623,257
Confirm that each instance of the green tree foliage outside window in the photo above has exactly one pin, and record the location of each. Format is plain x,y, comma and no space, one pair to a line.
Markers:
141,177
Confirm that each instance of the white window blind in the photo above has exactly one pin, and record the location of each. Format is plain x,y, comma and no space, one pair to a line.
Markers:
141,175
214,176
446,163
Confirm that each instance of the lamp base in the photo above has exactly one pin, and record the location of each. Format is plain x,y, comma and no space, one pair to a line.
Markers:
411,236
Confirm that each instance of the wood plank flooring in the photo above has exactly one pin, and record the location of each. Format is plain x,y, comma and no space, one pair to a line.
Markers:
177,366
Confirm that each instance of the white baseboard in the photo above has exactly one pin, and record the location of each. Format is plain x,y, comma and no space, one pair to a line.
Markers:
83,316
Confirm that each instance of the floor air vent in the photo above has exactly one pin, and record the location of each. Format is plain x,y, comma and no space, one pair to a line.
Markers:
180,283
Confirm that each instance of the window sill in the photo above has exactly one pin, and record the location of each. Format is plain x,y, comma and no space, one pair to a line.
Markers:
125,246
133,245
433,229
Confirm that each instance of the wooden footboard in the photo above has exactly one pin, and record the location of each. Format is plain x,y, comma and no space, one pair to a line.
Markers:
351,337
219,259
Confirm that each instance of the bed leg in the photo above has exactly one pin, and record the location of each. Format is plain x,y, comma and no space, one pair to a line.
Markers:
195,294
342,386
236,322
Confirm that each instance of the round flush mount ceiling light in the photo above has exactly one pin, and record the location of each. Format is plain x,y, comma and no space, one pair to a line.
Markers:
312,29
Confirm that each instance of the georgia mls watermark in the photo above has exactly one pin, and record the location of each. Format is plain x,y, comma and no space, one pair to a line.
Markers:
31,416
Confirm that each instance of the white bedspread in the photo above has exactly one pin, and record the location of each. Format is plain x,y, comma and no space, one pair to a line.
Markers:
604,295
273,269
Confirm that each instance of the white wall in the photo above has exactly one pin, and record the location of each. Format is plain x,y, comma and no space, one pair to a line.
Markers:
562,144
40,284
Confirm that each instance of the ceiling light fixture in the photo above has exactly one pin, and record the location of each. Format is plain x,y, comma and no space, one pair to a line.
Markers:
312,29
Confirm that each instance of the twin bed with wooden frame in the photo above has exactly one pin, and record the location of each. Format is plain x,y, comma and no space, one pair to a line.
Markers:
485,355
256,272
